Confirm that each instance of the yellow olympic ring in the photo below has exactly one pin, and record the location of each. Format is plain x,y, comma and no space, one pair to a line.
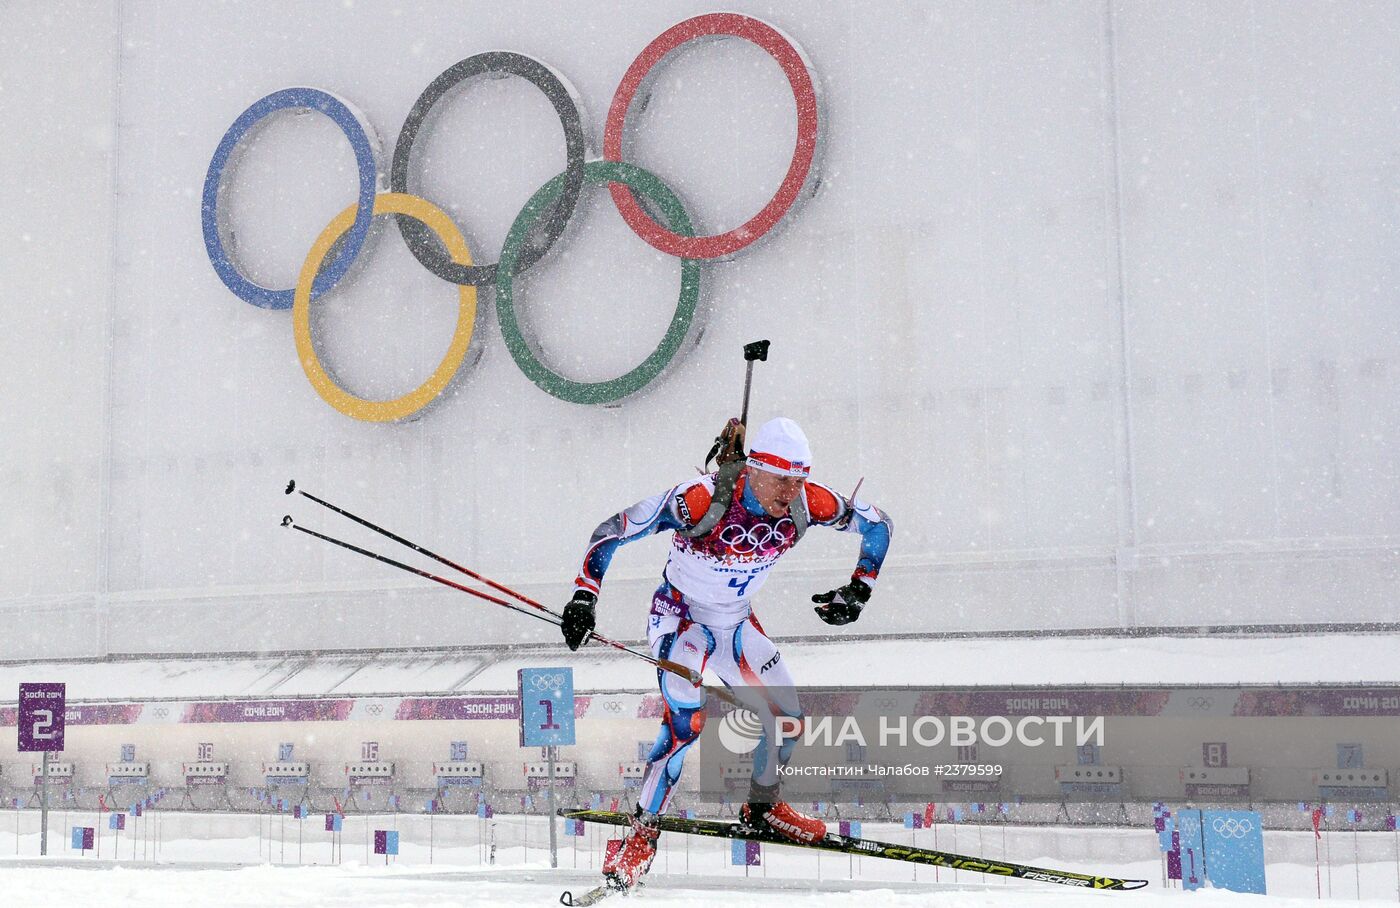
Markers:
436,220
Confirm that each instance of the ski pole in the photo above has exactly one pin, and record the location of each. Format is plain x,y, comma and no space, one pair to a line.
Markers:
542,613
292,487
289,522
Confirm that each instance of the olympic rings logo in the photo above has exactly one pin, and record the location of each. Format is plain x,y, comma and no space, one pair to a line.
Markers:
743,541
1231,828
535,229
1202,702
546,682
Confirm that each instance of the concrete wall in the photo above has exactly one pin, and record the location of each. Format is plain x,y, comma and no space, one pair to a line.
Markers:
1098,297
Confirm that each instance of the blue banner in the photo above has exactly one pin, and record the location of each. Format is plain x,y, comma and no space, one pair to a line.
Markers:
546,706
1234,841
1193,870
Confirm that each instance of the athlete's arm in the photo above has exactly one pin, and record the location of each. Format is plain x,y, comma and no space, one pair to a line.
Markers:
831,509
677,508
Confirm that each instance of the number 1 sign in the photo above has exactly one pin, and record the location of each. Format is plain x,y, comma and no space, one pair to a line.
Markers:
41,713
546,706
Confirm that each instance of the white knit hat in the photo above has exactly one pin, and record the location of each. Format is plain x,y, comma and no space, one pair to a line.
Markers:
779,446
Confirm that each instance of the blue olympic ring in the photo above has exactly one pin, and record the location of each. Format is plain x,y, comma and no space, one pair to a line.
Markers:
356,130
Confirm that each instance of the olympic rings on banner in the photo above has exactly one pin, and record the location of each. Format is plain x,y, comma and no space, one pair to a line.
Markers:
550,381
356,129
566,104
434,219
546,682
794,63
537,227
1232,828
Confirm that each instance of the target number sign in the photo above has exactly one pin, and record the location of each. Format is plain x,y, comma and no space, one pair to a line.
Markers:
546,706
41,714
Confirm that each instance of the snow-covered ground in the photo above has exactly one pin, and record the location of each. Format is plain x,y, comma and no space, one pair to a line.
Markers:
202,860
59,886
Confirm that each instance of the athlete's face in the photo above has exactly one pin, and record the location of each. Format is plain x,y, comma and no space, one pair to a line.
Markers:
774,492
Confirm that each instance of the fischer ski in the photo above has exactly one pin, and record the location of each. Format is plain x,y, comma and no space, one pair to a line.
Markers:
847,845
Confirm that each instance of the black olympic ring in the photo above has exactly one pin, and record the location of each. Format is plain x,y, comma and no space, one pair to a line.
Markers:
566,104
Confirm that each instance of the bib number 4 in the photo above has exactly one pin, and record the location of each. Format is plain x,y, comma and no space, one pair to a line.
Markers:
741,584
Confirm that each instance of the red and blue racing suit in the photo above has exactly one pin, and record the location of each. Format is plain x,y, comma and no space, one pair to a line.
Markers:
701,614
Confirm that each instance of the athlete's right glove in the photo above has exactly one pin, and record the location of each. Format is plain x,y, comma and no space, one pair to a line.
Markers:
578,618
843,604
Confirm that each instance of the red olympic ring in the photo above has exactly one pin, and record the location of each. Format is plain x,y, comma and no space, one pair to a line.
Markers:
804,91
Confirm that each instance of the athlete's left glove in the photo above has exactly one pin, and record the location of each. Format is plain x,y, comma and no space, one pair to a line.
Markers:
843,604
578,618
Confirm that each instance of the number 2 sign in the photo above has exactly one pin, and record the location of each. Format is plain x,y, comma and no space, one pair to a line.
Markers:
41,714
546,706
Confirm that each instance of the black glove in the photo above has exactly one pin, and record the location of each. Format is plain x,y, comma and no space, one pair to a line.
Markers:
578,618
843,605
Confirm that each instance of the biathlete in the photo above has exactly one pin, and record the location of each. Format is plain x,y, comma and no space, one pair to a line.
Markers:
730,528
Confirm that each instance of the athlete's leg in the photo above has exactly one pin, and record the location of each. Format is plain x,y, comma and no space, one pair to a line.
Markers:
756,673
683,713
753,668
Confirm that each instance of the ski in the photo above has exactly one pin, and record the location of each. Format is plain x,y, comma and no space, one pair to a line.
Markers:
597,894
591,897
849,845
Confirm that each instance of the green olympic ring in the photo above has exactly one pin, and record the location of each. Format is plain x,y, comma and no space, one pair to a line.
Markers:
521,350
